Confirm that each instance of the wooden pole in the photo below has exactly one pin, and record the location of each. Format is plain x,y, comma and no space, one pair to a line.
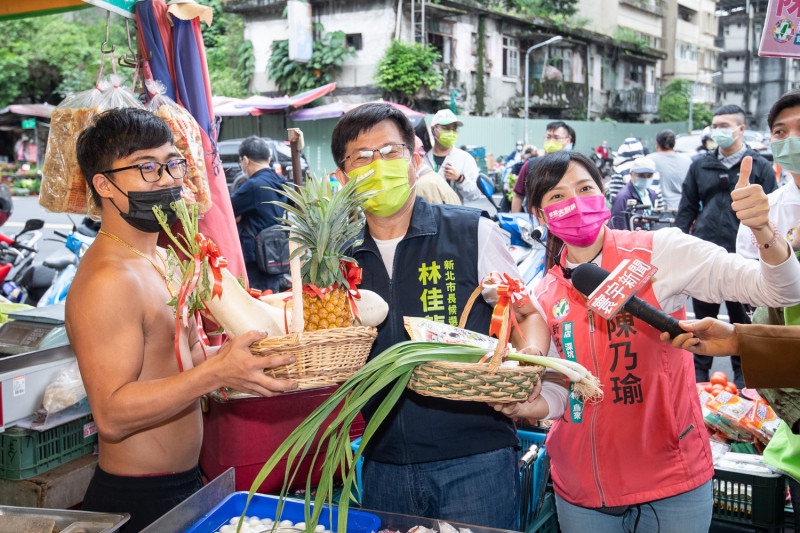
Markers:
296,144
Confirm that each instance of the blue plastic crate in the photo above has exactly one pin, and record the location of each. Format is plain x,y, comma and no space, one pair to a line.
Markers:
265,506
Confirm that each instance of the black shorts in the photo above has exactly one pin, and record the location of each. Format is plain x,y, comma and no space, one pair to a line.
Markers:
144,498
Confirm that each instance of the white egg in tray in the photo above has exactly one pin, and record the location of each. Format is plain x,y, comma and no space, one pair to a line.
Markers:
254,524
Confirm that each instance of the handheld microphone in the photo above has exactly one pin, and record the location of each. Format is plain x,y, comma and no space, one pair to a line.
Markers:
586,277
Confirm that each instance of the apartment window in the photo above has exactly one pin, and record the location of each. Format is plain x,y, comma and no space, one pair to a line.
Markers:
636,73
510,56
686,51
354,40
684,13
440,36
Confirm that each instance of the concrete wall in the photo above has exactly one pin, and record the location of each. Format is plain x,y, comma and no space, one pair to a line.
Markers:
497,135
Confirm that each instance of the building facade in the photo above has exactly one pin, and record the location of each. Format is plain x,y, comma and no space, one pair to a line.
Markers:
747,80
586,74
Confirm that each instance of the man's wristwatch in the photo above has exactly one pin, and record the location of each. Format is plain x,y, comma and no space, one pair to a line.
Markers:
460,179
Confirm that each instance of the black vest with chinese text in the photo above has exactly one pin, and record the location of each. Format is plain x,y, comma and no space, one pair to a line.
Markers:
434,272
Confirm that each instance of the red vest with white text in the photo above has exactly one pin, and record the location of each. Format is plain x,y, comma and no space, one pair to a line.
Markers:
645,440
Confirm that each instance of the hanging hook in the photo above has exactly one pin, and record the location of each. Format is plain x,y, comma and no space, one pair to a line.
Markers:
128,60
105,43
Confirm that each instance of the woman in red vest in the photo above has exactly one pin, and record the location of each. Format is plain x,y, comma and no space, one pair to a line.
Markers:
639,459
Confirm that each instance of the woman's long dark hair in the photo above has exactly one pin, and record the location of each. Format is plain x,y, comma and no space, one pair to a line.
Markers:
544,175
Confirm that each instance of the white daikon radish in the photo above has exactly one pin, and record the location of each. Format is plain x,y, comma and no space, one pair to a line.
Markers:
371,307
237,312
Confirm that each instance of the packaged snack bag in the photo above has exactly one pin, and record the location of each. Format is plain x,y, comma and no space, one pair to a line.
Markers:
64,189
186,132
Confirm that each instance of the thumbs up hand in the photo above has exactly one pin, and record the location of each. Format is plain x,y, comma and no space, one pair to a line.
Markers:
750,203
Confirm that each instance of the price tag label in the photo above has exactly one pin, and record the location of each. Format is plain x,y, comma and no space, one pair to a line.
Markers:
619,286
18,386
89,429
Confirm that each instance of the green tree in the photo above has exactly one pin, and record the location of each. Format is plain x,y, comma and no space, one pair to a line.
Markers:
405,68
541,8
292,77
45,57
673,105
231,63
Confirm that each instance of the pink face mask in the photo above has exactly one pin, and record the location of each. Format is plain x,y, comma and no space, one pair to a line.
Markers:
577,221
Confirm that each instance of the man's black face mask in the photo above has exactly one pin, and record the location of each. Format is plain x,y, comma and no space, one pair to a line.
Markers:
140,213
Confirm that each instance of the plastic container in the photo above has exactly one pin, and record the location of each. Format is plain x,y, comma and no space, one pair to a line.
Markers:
244,433
753,499
265,506
25,453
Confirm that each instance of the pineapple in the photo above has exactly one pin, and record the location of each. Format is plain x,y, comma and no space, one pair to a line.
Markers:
325,225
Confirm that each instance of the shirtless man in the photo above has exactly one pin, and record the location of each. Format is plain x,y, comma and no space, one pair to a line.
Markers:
147,412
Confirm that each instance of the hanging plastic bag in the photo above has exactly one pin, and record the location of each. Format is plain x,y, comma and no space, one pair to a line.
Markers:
186,134
64,188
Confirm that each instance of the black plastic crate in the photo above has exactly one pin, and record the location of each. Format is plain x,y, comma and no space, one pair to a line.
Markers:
752,499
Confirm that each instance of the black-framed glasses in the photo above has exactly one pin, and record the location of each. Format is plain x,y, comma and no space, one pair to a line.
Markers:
361,158
152,171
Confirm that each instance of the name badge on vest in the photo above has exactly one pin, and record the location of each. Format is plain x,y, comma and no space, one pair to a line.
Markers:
575,404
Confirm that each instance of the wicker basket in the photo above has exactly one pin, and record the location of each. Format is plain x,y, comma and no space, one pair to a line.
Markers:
477,382
324,357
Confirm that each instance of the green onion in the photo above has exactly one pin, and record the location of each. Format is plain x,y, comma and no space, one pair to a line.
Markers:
393,367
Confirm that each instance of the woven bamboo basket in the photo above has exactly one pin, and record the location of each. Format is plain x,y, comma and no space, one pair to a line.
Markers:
323,357
477,382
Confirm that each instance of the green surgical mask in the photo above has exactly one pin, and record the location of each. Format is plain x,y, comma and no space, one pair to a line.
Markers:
786,153
388,179
553,146
448,138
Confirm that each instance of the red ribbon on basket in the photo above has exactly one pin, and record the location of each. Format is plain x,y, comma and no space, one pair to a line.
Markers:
508,290
353,274
216,262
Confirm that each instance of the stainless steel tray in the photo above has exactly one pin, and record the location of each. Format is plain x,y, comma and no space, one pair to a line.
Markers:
65,518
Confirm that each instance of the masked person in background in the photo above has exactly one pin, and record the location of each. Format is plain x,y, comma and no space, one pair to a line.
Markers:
452,163
123,331
558,136
638,189
615,463
431,457
705,208
430,185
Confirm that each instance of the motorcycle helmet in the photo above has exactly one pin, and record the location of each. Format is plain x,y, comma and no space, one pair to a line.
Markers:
6,203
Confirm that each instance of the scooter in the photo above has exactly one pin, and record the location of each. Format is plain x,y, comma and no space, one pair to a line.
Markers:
16,256
47,283
526,244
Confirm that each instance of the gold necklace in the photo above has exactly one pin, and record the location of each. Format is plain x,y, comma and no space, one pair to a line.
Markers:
162,273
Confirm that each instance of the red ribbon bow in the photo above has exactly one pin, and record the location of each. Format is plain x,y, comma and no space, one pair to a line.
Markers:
353,274
508,290
217,262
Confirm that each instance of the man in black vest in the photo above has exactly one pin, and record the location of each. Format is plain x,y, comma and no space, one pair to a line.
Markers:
431,457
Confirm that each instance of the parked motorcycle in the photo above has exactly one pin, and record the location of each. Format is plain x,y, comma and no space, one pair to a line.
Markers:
16,255
525,239
47,283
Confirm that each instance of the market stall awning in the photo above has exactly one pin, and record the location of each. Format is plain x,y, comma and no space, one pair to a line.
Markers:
337,109
30,110
11,9
266,104
226,107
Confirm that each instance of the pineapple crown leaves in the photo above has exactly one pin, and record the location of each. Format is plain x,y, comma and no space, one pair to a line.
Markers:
324,225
